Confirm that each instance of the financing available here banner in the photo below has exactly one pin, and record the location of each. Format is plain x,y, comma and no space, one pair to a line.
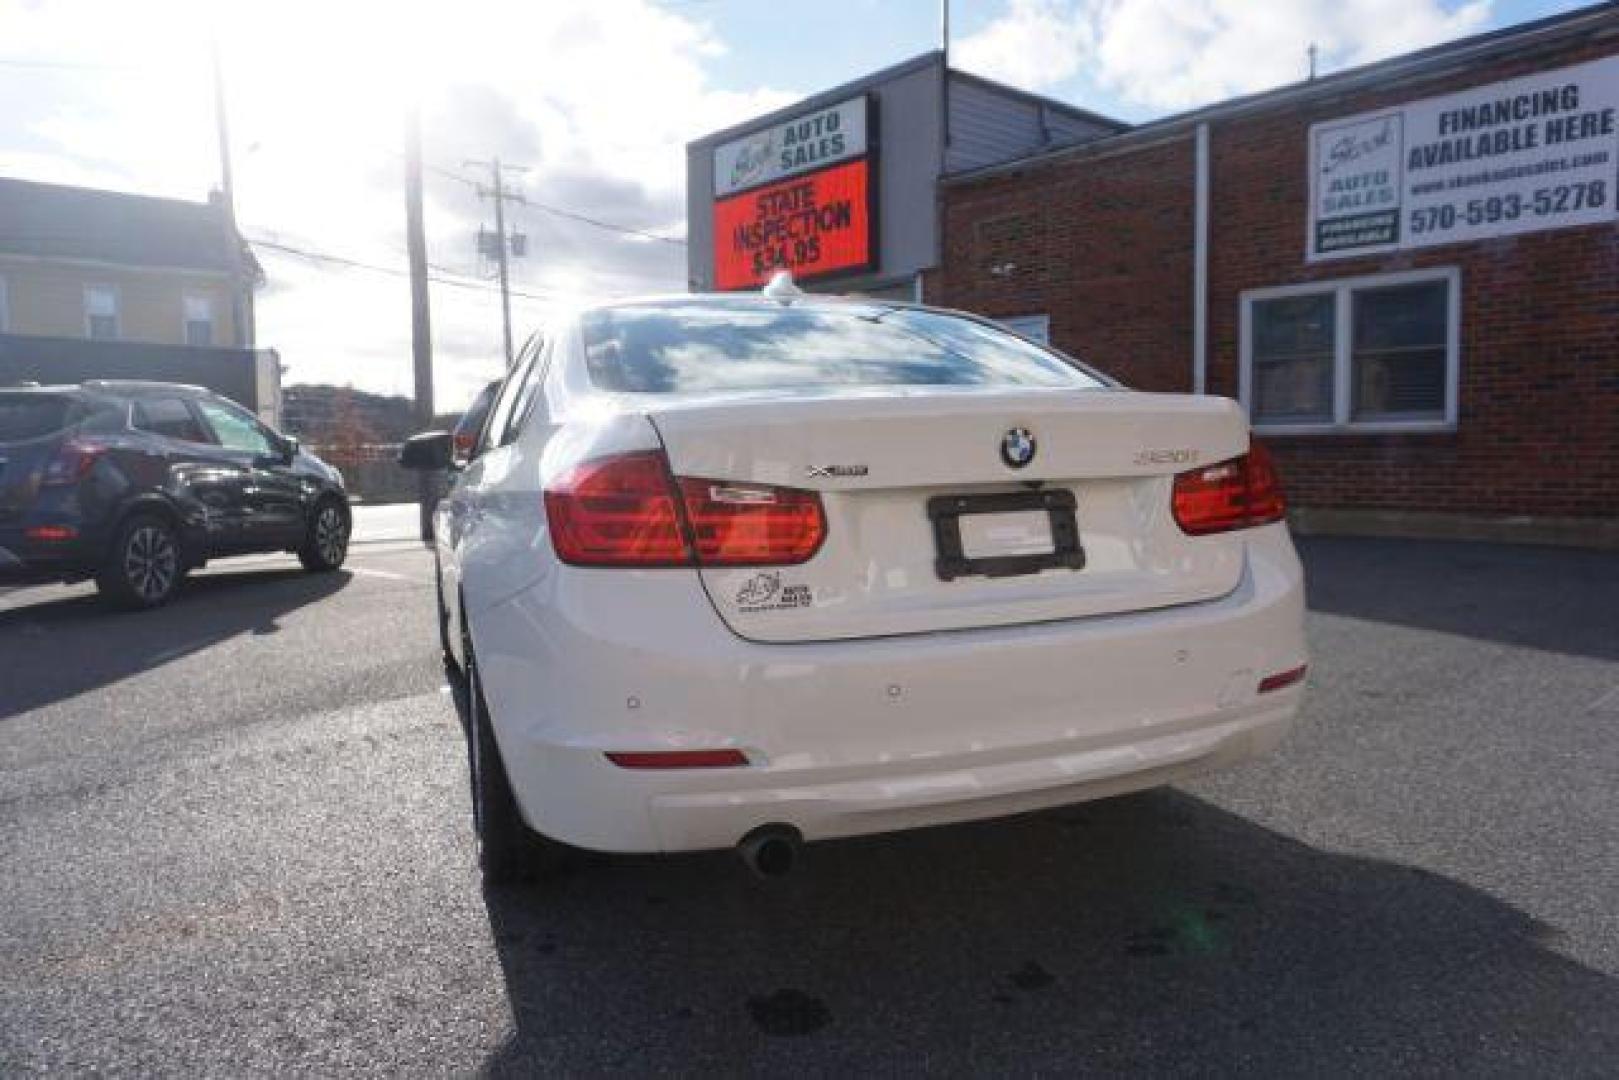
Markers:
1539,152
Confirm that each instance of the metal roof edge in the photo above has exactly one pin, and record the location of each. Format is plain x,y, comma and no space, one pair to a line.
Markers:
1040,99
819,98
111,194
1430,62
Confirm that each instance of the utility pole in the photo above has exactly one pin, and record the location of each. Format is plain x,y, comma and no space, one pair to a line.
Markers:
502,243
944,86
421,327
241,293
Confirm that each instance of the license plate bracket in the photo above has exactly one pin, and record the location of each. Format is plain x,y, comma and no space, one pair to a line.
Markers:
951,562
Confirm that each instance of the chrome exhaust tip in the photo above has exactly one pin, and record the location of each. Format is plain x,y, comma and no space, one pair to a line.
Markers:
770,851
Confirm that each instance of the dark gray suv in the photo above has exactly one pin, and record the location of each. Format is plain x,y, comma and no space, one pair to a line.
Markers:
134,484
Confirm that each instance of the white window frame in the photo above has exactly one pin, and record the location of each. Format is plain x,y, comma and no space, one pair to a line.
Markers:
117,311
186,320
1342,345
5,307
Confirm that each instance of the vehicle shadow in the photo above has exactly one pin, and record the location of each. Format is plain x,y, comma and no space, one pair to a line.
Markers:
1154,933
70,642
1556,599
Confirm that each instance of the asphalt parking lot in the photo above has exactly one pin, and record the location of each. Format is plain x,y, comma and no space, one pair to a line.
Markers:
235,840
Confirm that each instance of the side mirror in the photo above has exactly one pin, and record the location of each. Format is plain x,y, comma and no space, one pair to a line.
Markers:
289,449
427,452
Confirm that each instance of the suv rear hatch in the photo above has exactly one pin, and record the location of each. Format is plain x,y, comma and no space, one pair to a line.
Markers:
880,461
32,426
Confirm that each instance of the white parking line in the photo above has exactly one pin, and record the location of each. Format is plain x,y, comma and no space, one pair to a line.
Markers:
389,574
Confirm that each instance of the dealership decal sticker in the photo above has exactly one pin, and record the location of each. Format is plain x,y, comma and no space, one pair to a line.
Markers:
1540,152
765,592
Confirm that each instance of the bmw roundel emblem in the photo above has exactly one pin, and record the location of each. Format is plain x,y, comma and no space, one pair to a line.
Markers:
1017,447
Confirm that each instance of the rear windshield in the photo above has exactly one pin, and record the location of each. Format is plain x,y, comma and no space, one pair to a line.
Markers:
31,416
694,348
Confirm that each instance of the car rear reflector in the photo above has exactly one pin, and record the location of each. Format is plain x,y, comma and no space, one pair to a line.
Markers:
51,534
1235,494
629,510
71,464
617,511
1282,679
677,759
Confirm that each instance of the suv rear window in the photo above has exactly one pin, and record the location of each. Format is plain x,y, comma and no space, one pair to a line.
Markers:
32,416
170,417
704,347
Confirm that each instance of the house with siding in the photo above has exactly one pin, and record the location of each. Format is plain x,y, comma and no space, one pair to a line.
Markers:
105,284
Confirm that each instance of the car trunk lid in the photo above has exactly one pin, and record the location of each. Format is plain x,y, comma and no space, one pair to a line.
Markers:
907,475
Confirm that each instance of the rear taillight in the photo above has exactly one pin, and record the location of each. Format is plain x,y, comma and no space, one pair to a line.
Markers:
629,510
72,463
1234,494
752,525
617,511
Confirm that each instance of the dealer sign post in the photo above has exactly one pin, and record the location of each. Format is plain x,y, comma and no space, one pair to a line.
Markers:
796,196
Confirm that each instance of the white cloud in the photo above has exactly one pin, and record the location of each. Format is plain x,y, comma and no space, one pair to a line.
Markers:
1171,54
1037,43
597,97
1175,53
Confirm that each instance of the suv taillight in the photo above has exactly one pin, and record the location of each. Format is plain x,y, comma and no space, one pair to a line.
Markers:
1234,494
71,464
628,510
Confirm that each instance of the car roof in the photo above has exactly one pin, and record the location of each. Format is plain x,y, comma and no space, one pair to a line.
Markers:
56,390
143,388
733,300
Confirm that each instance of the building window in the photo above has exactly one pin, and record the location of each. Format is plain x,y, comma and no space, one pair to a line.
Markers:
1292,350
1371,353
199,320
101,311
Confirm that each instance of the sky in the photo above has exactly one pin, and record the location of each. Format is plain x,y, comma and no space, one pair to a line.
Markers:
594,99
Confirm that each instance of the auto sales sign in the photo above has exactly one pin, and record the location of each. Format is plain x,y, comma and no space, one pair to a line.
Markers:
797,195
1540,152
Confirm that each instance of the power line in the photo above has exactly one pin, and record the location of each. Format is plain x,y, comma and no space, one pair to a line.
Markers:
70,65
465,280
572,215
627,230
394,271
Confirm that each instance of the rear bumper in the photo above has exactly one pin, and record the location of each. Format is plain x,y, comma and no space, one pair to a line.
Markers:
853,737
24,563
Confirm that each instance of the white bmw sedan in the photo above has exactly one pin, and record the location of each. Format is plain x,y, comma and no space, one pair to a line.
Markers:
752,571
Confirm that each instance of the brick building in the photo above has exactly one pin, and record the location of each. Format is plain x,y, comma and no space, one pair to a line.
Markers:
1407,272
